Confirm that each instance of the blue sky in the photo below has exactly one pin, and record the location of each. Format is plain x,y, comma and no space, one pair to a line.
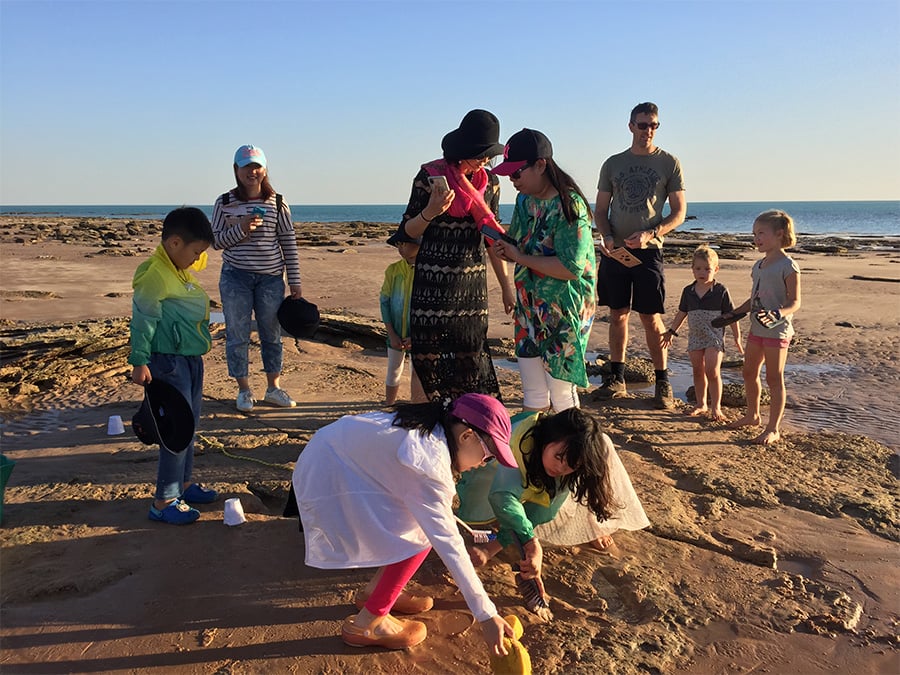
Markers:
123,102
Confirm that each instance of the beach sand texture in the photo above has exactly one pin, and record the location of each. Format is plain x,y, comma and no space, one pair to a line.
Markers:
777,560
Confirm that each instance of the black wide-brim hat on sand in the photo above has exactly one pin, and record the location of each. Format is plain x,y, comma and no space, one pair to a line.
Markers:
298,317
165,417
478,136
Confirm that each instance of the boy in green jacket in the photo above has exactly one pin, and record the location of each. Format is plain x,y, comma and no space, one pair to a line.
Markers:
169,336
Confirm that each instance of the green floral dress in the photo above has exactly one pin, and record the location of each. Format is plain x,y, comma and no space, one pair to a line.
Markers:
554,316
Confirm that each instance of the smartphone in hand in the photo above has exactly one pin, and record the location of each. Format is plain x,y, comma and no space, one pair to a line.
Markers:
439,183
258,211
494,234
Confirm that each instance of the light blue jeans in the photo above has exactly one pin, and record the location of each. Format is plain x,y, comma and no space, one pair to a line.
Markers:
243,292
185,373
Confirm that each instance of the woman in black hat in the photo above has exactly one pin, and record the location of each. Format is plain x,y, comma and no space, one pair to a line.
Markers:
449,306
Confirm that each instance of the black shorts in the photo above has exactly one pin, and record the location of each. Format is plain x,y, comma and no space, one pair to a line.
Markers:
641,288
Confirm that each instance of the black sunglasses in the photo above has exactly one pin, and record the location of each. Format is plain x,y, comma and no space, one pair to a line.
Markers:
643,126
517,174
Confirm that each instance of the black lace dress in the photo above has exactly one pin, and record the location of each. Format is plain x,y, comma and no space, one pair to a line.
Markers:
449,305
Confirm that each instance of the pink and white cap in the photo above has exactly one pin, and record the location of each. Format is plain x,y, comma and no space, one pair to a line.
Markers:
487,414
249,154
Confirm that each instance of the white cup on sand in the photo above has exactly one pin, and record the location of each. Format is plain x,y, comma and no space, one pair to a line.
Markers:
115,427
234,512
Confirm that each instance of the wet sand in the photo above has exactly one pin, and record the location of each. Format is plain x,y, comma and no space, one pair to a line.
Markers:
758,560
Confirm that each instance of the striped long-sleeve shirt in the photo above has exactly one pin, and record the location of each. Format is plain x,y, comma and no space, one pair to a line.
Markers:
269,249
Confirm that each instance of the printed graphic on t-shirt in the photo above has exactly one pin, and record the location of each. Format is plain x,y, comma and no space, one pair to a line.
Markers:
635,187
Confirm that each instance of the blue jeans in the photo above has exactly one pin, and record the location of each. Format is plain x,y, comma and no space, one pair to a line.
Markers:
185,373
243,292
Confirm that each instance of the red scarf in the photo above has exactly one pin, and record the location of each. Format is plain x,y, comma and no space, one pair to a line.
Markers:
469,199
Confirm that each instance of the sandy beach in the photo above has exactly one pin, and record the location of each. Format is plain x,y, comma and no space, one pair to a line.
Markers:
770,560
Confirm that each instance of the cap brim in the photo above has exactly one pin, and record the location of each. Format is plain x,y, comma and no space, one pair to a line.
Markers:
508,168
504,454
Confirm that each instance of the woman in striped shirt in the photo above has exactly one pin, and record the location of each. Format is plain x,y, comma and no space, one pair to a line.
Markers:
254,230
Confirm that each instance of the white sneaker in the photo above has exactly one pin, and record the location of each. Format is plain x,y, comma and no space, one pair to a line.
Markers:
245,400
280,398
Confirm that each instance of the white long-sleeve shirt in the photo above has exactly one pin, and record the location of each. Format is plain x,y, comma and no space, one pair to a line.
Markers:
371,494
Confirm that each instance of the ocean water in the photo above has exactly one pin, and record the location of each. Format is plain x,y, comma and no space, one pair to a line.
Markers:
872,218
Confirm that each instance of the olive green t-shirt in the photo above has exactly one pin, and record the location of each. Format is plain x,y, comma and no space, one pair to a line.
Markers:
640,185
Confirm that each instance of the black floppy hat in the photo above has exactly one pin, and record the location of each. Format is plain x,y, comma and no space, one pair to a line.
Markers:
165,417
478,135
400,236
523,148
298,317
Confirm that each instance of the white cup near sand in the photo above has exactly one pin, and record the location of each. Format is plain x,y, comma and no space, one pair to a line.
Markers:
234,512
115,427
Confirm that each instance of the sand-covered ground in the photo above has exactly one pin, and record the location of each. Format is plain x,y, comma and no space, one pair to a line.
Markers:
769,560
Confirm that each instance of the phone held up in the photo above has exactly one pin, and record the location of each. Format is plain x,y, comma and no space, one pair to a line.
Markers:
439,183
258,211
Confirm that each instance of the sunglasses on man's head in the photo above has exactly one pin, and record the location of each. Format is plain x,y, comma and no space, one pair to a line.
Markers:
643,126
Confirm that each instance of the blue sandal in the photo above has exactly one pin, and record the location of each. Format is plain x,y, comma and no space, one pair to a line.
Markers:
176,513
197,494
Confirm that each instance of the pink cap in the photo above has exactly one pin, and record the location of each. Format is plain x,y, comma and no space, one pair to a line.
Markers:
487,414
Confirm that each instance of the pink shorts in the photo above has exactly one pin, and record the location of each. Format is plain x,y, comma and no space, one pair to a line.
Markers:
769,342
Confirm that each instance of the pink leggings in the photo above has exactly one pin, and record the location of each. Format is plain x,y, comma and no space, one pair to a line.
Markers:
392,581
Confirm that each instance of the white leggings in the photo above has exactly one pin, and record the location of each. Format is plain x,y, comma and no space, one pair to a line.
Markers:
396,359
540,390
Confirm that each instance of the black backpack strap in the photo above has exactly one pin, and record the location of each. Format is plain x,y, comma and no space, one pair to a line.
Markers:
279,202
226,197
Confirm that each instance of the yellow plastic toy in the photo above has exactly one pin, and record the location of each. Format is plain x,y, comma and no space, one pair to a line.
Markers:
517,661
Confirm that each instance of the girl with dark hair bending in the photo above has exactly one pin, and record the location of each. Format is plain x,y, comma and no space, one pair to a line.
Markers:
376,490
559,456
555,274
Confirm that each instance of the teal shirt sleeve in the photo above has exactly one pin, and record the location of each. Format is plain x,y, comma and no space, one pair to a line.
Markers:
504,498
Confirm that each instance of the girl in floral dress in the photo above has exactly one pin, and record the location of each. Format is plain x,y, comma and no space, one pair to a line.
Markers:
555,273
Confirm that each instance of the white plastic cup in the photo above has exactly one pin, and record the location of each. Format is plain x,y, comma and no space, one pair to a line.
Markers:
234,512
115,427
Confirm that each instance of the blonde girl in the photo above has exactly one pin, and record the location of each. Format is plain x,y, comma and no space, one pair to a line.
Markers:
772,304
701,302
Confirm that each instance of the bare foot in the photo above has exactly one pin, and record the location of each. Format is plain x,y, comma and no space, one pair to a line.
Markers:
717,416
698,410
767,437
745,421
605,544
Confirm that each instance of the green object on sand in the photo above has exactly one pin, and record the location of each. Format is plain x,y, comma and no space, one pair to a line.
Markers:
6,467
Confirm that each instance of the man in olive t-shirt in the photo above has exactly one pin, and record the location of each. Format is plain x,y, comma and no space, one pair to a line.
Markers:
633,188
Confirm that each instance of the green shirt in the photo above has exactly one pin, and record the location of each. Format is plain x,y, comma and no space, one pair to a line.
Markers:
554,316
170,312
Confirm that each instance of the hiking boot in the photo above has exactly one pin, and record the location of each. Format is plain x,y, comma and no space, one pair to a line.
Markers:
245,400
612,388
663,399
280,398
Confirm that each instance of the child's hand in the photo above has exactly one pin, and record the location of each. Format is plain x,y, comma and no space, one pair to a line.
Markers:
667,339
739,344
141,375
493,631
530,566
406,344
396,342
